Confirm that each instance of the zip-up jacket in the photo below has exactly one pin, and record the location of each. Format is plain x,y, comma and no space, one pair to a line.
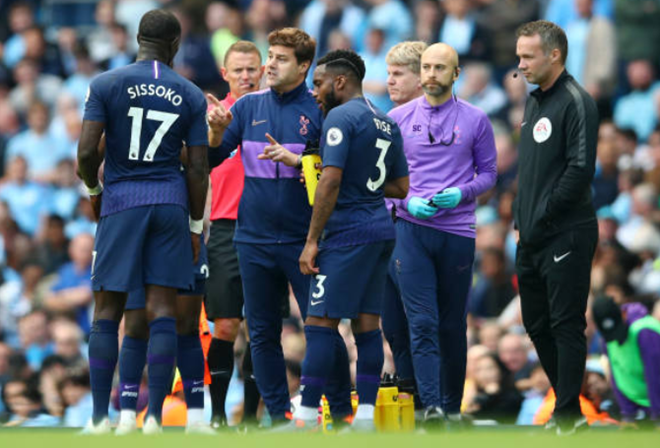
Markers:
557,157
274,207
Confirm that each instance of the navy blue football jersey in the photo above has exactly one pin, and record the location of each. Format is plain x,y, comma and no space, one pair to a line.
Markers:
149,112
366,144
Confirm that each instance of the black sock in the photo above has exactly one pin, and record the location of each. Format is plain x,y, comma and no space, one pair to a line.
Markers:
221,366
251,395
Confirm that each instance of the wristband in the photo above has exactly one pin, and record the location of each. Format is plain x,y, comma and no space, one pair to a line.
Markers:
196,225
299,163
96,190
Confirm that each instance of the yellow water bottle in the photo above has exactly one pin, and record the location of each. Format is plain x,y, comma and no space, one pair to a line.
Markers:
311,167
407,408
387,413
326,416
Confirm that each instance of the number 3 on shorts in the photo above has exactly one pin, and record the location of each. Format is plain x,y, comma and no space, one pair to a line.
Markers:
319,285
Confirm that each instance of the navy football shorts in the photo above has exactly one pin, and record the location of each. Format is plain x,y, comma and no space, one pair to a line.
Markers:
143,246
351,280
137,301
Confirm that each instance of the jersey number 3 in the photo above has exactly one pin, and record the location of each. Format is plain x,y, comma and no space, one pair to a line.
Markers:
166,119
383,145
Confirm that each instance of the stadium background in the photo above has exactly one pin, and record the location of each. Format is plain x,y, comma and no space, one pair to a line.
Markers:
51,49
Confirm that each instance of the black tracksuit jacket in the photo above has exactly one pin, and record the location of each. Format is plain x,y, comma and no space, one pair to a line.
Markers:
557,156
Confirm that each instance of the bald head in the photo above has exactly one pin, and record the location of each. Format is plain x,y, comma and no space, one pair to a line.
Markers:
441,52
439,72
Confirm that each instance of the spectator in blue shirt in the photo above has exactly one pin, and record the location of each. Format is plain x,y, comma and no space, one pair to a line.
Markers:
35,338
637,110
77,397
72,291
41,150
27,200
26,405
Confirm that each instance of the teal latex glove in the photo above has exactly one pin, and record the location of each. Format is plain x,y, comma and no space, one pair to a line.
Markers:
420,208
449,198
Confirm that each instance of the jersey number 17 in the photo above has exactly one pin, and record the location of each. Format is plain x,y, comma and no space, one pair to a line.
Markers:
136,114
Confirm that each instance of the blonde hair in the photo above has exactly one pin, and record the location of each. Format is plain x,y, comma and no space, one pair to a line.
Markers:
408,54
242,46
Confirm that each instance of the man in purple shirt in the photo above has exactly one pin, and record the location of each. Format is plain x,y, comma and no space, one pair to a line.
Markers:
403,85
632,339
451,156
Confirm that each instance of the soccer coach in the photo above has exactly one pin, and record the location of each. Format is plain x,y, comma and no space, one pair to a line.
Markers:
554,214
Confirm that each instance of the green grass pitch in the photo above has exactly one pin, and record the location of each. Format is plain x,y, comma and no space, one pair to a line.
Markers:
496,438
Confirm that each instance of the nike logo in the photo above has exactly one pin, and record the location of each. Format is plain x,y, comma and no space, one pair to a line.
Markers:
462,268
256,123
314,303
523,124
219,372
561,257
127,386
196,383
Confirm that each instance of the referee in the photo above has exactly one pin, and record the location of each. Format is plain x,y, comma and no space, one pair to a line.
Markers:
554,214
242,70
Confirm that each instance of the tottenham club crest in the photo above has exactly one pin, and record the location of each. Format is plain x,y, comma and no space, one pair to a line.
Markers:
304,121
542,130
334,137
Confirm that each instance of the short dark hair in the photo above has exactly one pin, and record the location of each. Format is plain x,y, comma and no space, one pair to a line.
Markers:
160,25
628,133
552,36
241,46
346,62
304,46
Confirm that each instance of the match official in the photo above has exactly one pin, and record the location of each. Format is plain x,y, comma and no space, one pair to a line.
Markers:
224,293
554,214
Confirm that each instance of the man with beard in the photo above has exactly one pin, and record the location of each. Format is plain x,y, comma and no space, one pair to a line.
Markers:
450,148
351,236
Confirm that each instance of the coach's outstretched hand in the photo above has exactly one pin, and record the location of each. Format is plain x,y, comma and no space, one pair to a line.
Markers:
278,153
308,259
218,117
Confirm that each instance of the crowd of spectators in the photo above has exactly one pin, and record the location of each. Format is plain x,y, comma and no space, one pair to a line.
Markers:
51,49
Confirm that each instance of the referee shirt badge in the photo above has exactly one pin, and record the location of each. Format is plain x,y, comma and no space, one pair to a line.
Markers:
542,130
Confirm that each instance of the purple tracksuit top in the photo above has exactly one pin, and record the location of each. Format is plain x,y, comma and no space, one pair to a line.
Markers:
468,163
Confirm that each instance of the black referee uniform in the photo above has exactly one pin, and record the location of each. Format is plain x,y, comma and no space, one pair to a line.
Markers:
558,231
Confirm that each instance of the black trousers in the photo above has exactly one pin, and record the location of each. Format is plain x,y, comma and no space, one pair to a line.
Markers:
554,281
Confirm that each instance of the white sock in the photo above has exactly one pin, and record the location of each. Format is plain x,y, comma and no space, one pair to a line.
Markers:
306,413
126,416
365,412
195,416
